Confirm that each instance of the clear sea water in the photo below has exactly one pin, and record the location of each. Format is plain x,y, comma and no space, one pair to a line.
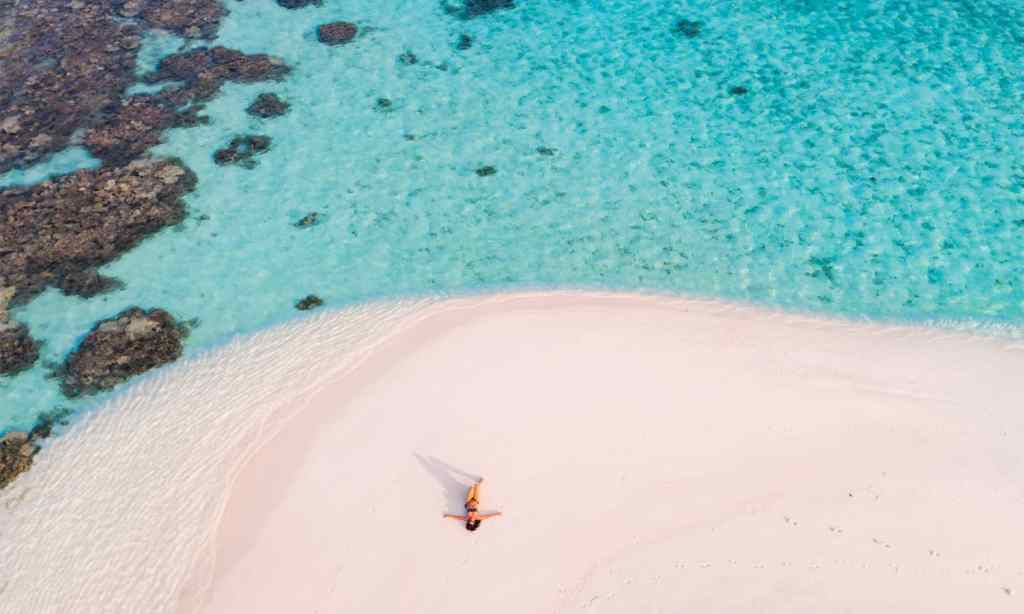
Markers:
873,168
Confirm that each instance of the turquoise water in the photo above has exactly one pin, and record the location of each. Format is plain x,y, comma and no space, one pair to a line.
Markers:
873,168
71,159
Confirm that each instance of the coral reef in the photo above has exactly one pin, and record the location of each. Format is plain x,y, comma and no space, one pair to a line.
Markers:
267,105
337,33
82,220
471,9
242,150
311,301
132,342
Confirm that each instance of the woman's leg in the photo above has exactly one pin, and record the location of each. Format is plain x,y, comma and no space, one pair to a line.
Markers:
474,492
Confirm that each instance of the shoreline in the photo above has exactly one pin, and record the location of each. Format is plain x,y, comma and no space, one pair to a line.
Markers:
401,333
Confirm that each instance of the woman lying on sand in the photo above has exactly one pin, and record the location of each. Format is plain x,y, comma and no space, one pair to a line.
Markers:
472,518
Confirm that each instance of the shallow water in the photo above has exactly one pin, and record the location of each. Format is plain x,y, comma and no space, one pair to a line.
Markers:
872,167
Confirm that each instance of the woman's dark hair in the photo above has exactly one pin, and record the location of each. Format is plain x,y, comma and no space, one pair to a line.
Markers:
472,525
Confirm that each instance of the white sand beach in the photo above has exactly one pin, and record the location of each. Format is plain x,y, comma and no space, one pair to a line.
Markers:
648,454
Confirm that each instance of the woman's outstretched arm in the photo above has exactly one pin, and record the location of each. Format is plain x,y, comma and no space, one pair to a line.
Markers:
455,516
486,516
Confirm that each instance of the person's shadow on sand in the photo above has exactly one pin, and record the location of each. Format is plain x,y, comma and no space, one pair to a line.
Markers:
453,480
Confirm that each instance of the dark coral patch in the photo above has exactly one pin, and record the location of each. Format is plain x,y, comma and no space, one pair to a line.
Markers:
16,452
132,342
85,219
465,42
205,69
309,220
87,283
267,105
17,448
738,90
311,301
69,64
687,28
471,9
187,18
18,350
134,126
59,68
242,150
337,33
298,4
408,58
485,171
137,123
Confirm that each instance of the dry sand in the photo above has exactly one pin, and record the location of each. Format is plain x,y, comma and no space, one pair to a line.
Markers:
649,455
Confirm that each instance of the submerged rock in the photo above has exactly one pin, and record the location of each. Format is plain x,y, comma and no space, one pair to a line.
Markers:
58,69
242,150
485,171
18,350
309,220
186,18
136,125
738,90
465,42
132,342
69,65
138,122
88,218
337,33
16,452
87,283
18,449
311,301
687,28
298,4
267,105
471,9
46,422
205,69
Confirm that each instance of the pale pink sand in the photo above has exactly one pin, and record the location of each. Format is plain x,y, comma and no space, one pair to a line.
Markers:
650,455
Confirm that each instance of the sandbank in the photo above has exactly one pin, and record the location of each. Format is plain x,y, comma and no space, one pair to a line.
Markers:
649,454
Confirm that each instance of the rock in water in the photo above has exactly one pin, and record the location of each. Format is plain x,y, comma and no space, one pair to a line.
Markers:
298,4
16,452
309,220
87,283
472,9
337,33
687,28
203,71
18,350
242,150
79,221
188,18
310,302
267,105
132,342
66,67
